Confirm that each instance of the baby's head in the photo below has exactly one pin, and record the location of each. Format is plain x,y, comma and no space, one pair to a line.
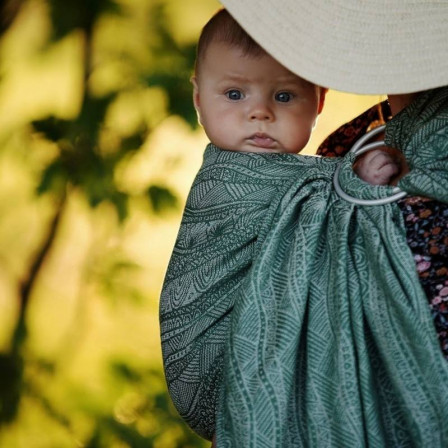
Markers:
246,100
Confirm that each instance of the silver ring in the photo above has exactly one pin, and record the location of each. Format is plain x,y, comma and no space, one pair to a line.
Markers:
359,148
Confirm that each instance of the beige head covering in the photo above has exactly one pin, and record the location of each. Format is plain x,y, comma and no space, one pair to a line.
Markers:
361,46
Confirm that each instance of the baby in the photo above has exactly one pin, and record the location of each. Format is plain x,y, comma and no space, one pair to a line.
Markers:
247,101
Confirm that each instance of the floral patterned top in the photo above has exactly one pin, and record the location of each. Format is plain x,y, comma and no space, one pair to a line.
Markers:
426,222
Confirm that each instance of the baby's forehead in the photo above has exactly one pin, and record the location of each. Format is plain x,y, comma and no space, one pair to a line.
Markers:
247,76
234,63
220,45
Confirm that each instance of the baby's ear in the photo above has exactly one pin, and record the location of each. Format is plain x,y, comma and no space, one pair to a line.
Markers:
194,81
323,92
196,98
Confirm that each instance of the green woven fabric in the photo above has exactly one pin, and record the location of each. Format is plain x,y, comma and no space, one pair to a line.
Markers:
291,318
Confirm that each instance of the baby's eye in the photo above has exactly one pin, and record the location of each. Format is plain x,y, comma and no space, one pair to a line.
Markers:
283,97
234,95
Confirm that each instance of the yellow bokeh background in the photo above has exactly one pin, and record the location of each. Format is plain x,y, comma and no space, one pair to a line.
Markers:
95,299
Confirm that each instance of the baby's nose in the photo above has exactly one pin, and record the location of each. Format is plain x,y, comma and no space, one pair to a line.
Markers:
262,112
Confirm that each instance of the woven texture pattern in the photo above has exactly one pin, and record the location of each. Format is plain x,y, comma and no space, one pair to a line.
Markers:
291,318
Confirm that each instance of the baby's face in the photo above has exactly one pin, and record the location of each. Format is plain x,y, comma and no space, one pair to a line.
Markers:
248,103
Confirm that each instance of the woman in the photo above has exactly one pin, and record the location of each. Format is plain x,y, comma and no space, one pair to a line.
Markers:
317,332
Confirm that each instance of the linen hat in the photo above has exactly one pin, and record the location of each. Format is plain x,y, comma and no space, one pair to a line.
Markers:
360,46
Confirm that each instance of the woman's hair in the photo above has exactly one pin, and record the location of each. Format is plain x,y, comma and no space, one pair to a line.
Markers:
222,27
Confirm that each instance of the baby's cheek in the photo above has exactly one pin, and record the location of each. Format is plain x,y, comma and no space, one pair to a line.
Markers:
300,140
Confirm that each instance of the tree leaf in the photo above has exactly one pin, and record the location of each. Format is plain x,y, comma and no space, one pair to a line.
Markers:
161,198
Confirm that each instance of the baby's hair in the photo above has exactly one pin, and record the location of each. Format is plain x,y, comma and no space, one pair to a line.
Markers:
222,27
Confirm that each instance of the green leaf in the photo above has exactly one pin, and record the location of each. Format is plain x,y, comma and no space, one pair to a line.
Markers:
54,129
53,178
68,15
133,142
92,115
128,434
161,198
120,202
180,94
123,371
11,377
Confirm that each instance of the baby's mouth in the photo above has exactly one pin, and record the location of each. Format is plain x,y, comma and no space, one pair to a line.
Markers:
262,140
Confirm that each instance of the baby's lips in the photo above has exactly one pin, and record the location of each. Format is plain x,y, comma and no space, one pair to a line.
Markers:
263,140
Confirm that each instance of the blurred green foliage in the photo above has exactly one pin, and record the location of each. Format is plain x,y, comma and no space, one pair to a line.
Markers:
126,48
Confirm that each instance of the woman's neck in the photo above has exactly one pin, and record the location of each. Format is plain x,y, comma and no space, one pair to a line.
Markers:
399,102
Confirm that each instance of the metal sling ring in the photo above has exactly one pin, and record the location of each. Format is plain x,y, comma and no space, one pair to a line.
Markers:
358,149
